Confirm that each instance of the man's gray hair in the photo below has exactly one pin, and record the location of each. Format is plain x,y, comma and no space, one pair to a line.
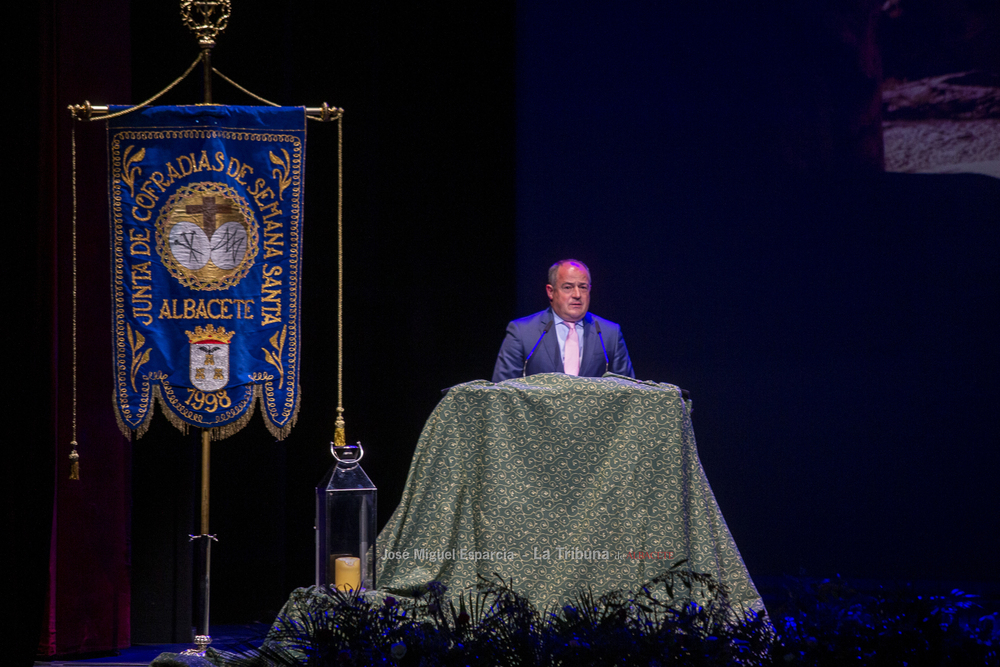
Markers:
554,269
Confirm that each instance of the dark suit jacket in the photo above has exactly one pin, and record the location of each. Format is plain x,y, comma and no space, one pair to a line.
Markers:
522,335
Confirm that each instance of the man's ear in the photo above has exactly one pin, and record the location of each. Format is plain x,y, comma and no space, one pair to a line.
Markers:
548,290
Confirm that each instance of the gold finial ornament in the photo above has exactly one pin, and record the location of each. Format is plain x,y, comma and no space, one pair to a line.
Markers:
81,111
206,18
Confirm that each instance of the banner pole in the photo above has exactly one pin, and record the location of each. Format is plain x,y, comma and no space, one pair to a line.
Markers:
202,636
203,552
206,60
206,453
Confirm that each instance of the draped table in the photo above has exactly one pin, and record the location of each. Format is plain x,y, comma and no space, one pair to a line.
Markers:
558,484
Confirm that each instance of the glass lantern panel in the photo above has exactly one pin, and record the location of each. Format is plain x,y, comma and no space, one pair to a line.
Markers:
345,528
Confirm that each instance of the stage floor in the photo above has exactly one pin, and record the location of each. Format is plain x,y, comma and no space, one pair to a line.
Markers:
140,655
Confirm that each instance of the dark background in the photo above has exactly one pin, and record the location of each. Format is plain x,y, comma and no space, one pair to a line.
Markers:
835,324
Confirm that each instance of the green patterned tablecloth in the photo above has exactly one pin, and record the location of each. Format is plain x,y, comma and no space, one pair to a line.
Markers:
557,484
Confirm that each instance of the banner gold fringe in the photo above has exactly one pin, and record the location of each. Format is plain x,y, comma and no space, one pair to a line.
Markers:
223,432
144,425
218,433
280,433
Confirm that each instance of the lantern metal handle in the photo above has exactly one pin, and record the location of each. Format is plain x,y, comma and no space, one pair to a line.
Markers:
361,453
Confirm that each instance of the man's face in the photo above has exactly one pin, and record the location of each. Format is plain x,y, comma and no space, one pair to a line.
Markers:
570,296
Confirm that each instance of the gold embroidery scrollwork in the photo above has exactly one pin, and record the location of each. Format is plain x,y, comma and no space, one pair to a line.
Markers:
135,341
129,169
278,341
284,179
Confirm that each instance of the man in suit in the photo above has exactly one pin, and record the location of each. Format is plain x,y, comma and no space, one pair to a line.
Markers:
564,338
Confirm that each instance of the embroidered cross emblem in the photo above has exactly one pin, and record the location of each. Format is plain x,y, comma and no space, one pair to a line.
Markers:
208,209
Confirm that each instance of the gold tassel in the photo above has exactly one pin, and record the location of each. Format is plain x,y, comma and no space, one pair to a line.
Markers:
74,465
339,438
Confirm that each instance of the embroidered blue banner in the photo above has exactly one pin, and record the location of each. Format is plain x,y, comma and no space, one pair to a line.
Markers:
206,233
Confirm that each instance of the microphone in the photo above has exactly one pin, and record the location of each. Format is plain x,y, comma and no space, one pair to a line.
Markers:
607,362
524,371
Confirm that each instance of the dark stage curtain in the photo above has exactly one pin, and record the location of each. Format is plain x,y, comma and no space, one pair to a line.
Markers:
736,231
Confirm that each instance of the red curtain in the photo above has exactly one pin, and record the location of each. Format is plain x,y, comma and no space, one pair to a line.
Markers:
84,54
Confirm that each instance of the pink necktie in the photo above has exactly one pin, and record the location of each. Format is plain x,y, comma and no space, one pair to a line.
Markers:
571,360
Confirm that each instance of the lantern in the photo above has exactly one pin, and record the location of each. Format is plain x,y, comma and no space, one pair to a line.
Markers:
345,523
